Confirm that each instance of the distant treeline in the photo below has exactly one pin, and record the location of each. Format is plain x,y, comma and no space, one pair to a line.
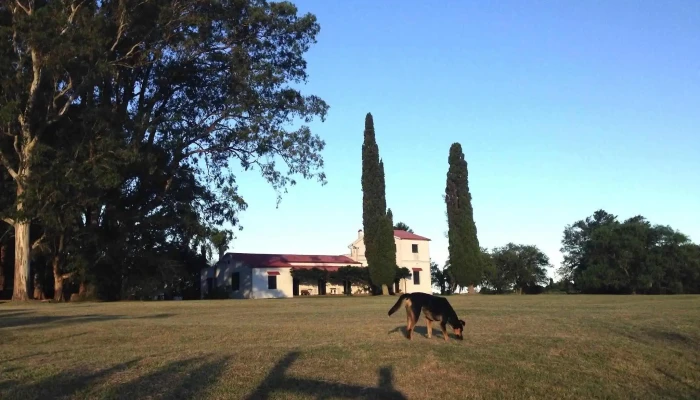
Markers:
601,255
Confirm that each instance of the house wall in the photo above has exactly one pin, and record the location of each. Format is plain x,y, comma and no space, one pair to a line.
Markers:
204,274
357,250
224,279
254,281
405,254
260,283
313,289
404,258
222,273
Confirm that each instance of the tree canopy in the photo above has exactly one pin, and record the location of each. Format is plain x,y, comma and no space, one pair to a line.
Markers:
605,255
515,267
403,227
380,248
123,125
463,244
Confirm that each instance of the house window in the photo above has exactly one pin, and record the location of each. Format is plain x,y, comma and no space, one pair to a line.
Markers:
416,277
272,281
414,248
236,281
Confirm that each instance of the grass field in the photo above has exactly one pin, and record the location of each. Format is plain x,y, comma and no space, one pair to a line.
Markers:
545,346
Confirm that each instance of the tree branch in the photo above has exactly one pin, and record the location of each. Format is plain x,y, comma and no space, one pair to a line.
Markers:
9,221
26,9
65,90
120,30
121,63
74,9
39,241
15,144
5,162
31,104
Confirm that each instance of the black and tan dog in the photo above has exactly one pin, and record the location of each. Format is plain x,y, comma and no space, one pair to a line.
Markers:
434,308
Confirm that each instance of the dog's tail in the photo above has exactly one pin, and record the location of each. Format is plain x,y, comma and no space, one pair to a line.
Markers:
398,303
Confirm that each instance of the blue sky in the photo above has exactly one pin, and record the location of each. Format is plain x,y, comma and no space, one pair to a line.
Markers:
562,108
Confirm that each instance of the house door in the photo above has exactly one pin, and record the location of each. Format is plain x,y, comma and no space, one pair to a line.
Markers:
295,287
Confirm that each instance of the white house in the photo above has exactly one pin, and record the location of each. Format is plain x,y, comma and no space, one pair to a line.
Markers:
258,276
412,252
255,275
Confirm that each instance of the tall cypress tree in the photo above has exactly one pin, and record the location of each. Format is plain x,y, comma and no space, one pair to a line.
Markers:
374,216
388,248
463,245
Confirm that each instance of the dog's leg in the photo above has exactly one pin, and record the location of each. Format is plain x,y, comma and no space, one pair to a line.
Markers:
415,315
408,318
443,327
429,324
412,317
409,322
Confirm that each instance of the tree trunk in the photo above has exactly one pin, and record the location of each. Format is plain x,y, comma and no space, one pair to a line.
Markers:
38,288
2,266
58,278
57,287
385,290
21,287
471,289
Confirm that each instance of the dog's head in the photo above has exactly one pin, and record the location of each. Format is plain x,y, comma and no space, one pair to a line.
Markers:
459,329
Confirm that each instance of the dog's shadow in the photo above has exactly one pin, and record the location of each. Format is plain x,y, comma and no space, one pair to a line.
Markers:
419,330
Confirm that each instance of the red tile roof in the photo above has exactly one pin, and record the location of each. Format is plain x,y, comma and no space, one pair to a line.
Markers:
408,235
258,260
324,267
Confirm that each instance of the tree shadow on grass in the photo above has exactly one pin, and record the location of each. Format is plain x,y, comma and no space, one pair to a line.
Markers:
278,381
671,337
28,356
14,313
154,316
27,319
674,388
679,381
61,338
179,379
654,337
63,384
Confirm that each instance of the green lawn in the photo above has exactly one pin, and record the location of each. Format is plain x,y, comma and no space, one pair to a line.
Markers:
545,346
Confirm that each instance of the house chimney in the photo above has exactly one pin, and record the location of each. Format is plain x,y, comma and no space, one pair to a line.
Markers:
360,234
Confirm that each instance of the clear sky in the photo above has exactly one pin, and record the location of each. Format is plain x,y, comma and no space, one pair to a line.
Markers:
561,107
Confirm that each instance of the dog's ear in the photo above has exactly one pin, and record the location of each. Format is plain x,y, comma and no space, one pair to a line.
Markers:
462,322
